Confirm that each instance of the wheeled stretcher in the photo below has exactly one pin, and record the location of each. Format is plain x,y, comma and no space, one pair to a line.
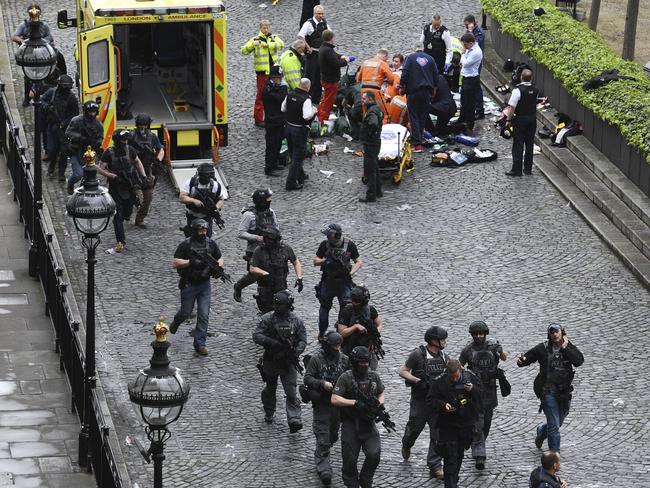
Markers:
395,155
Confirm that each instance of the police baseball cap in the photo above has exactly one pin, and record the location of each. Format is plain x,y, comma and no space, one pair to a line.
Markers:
554,326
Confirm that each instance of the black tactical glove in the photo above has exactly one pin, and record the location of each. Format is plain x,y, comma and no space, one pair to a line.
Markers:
299,285
196,261
421,386
361,406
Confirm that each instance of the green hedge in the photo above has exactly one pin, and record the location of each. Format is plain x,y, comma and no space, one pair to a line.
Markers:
574,54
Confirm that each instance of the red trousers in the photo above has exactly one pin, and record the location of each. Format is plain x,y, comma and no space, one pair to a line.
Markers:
329,97
258,111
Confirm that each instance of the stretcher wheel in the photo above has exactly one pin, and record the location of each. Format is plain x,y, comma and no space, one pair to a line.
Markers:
397,178
409,164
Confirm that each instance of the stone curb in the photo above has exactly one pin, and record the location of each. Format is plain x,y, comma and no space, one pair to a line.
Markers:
7,75
592,185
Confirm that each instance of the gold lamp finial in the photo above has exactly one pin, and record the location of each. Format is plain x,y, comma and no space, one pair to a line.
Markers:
89,156
161,329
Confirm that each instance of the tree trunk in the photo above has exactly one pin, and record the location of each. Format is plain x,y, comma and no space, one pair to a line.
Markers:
593,14
629,38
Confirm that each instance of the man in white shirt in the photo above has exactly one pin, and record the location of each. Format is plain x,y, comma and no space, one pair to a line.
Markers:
470,62
300,112
312,33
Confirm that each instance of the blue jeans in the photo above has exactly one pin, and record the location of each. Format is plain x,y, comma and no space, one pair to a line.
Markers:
556,409
328,291
199,293
77,168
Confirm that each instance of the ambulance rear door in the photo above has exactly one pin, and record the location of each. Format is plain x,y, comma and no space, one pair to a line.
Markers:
97,62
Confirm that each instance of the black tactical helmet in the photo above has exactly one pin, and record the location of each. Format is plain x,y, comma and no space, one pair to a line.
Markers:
360,294
478,326
335,229
271,232
435,332
64,81
199,224
143,119
121,135
91,107
205,169
360,354
283,299
333,338
261,195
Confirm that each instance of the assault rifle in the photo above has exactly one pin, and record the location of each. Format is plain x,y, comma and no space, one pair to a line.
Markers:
374,336
212,266
286,354
209,207
374,410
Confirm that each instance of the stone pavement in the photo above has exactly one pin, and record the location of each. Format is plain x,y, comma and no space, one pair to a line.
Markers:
447,247
38,432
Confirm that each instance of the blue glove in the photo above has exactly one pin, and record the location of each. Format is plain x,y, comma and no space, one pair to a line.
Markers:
352,58
446,67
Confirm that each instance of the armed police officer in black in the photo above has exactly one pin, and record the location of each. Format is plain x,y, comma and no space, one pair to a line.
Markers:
522,108
256,218
283,336
456,396
422,367
557,358
201,194
121,165
151,153
273,94
196,259
83,131
360,395
269,265
339,260
60,106
360,325
482,357
323,371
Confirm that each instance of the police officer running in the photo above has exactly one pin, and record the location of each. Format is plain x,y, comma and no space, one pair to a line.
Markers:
254,219
545,476
360,325
323,371
284,338
269,265
83,131
121,165
482,357
522,108
191,261
556,357
151,153
354,391
456,396
201,194
422,367
60,106
335,256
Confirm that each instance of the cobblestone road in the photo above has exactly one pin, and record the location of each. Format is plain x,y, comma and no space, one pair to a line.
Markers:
446,247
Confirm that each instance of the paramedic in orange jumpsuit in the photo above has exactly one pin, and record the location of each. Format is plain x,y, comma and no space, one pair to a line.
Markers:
374,72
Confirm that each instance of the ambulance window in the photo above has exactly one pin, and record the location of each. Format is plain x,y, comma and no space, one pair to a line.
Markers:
98,64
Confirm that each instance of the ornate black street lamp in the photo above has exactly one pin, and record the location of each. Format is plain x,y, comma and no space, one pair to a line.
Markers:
91,209
160,393
37,58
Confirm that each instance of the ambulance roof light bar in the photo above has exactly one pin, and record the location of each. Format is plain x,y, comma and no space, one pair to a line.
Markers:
104,12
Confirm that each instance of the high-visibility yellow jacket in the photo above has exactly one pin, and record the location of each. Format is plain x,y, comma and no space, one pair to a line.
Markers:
291,68
263,56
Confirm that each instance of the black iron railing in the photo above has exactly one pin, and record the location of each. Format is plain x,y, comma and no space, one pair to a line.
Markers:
60,304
